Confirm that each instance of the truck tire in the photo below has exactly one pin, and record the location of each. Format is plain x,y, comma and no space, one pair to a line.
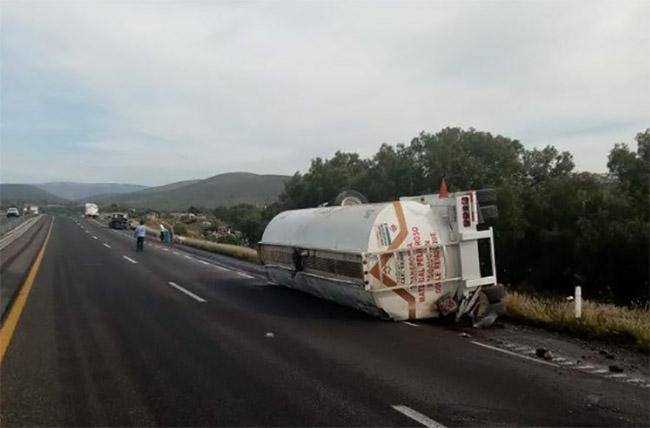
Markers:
494,293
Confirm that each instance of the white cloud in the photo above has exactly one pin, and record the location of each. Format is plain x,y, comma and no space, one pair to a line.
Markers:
199,88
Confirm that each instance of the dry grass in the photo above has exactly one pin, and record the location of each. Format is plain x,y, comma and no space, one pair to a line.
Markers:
236,251
598,320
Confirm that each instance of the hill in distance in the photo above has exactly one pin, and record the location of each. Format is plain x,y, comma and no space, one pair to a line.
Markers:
221,190
19,194
76,191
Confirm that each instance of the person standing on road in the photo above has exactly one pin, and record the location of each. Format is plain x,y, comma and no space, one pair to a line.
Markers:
140,233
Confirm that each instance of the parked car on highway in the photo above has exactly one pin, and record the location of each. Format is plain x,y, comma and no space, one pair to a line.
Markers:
119,221
13,212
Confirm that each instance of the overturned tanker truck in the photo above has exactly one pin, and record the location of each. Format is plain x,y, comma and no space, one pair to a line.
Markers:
420,257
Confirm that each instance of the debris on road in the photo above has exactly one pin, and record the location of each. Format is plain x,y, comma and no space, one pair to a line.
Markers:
544,353
606,354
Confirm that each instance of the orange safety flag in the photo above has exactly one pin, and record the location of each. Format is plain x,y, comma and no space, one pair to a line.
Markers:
443,193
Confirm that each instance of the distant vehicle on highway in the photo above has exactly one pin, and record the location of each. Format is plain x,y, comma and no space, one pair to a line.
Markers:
13,212
119,221
33,209
91,210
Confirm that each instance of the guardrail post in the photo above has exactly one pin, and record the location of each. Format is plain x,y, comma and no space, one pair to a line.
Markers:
578,301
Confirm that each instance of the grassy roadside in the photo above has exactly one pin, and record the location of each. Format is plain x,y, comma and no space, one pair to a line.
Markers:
243,253
600,321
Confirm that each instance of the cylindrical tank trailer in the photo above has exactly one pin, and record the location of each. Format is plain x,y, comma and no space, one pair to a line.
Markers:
410,259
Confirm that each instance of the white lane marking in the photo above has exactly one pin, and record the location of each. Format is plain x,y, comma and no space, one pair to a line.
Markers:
245,275
222,268
521,348
189,293
635,380
505,351
129,259
617,375
188,257
417,416
204,262
106,245
165,249
94,237
568,363
177,253
559,359
585,367
86,231
412,324
599,371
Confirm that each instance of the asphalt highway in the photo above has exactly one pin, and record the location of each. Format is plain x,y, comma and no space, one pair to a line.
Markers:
109,336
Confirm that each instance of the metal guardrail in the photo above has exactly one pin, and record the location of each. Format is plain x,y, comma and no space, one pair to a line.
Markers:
17,231
9,223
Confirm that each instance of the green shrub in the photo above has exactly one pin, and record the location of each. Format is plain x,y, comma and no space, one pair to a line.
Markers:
180,229
229,239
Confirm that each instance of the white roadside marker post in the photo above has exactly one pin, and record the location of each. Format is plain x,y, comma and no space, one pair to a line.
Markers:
578,301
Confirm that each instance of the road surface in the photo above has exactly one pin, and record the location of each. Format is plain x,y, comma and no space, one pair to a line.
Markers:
109,336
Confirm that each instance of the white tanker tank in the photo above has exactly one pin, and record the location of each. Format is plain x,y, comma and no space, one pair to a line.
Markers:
410,259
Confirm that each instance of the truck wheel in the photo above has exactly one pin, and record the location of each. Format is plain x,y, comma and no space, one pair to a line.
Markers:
494,293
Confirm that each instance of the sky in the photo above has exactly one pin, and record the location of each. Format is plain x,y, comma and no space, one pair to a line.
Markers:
155,92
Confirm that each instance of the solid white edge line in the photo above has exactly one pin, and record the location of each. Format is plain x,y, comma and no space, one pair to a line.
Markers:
204,262
245,275
129,259
188,257
189,293
222,268
417,416
106,245
494,348
412,324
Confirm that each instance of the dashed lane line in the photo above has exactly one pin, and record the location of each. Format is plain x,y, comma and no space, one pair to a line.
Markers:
106,245
412,324
94,237
129,259
187,292
417,416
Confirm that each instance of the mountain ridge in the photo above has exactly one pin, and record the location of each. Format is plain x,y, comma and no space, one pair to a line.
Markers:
224,189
